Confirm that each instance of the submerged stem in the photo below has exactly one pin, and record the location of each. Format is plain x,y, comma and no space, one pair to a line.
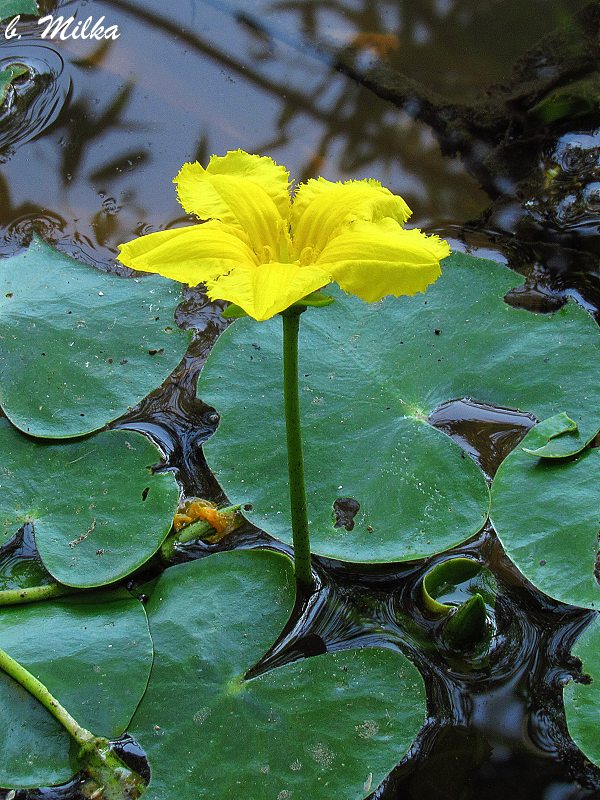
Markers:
300,533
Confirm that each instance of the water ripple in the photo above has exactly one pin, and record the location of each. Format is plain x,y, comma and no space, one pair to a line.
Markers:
33,103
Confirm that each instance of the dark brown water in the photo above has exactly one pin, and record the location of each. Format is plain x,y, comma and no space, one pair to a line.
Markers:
398,90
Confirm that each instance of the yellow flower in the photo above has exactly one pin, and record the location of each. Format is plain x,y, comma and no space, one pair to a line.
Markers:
264,252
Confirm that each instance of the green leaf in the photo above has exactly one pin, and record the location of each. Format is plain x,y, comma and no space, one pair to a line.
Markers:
323,727
80,346
10,8
462,591
453,582
315,300
546,514
8,75
551,428
94,655
370,376
578,99
468,626
234,311
582,700
98,511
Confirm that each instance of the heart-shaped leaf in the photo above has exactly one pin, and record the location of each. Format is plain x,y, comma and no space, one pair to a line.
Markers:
98,511
329,726
94,654
80,346
545,511
370,376
582,700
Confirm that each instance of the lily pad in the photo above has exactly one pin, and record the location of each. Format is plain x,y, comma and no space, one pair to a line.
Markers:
329,726
98,511
79,346
582,700
10,8
370,376
546,513
94,654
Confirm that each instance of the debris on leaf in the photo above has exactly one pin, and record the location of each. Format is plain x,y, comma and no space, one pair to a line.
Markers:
222,521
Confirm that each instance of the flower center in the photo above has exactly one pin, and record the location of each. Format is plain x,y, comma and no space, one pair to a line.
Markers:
307,256
284,245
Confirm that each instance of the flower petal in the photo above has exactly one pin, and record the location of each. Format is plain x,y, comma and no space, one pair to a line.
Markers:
247,191
322,208
263,171
373,260
190,255
266,290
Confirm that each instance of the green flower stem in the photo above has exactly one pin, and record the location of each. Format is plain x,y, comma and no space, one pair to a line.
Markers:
300,533
37,690
14,597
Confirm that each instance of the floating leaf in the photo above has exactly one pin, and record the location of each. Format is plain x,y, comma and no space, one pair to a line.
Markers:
582,700
98,511
94,654
370,375
10,8
8,75
553,427
316,728
468,626
546,513
80,346
453,582
463,591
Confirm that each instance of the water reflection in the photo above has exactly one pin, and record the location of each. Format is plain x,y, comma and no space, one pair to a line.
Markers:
124,132
349,89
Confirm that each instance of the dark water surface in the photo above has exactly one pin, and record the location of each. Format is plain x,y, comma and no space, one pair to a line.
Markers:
425,96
